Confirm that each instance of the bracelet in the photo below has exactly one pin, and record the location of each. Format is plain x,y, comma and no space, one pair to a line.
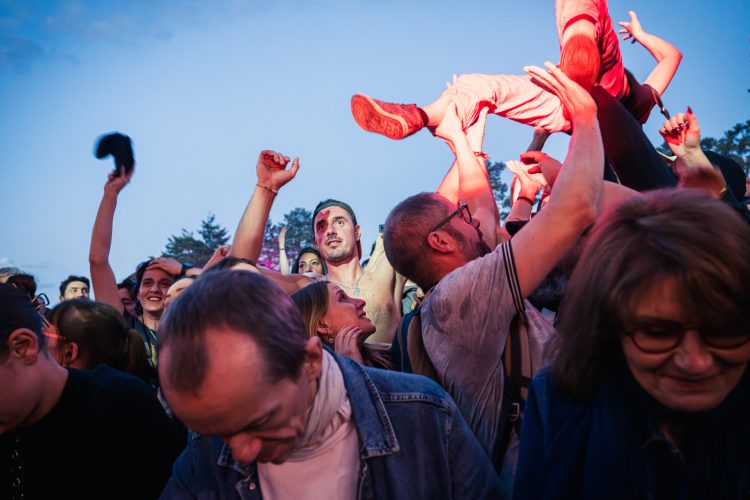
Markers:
524,198
274,191
282,250
482,154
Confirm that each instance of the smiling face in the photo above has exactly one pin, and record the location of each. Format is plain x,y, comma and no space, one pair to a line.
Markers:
336,235
153,290
310,263
262,420
692,377
344,310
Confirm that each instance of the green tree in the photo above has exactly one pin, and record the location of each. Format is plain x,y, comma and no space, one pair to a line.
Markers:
298,235
499,187
188,248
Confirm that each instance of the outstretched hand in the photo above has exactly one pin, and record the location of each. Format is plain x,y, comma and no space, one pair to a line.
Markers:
577,102
475,133
282,236
542,163
115,182
632,30
450,128
272,169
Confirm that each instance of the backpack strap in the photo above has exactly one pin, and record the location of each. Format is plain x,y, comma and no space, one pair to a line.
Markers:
516,362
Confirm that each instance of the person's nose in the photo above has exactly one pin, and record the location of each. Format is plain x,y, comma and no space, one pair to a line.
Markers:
693,357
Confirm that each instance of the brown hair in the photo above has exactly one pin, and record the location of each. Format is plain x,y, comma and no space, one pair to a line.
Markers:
102,336
405,236
243,301
312,302
701,243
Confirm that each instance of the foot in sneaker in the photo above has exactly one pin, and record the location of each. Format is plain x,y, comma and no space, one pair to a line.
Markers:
391,120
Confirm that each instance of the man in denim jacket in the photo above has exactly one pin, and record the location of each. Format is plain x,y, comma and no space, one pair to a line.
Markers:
280,417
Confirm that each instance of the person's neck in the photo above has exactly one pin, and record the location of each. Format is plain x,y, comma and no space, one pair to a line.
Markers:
347,271
151,320
53,379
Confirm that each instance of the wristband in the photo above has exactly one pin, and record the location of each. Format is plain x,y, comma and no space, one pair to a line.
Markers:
526,199
184,269
482,154
274,191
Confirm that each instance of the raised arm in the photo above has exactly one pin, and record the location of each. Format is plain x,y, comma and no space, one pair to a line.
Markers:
272,176
575,199
473,181
103,279
667,56
692,168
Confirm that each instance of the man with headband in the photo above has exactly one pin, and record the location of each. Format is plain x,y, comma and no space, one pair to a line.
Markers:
337,236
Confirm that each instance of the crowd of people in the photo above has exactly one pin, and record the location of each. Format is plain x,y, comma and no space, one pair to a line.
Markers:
593,345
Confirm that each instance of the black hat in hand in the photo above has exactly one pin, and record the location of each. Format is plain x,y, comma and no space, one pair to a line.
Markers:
119,146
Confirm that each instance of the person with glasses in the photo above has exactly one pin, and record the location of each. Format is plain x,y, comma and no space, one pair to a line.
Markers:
649,393
476,296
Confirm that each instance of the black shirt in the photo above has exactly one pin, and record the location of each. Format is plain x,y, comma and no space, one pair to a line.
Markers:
107,437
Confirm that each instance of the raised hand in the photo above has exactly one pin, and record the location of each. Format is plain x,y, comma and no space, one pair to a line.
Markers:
282,237
115,182
475,133
542,163
682,133
272,170
450,128
577,102
530,182
631,30
218,254
347,342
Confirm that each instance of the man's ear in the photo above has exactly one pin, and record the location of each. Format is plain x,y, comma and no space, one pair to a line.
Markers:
441,242
23,345
70,353
357,231
313,358
62,298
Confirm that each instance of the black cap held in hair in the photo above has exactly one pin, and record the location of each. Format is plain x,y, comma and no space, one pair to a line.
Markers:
119,146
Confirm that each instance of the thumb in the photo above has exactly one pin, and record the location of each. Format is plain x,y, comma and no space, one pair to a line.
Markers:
692,120
295,166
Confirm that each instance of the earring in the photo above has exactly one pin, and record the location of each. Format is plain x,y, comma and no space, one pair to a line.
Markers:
329,336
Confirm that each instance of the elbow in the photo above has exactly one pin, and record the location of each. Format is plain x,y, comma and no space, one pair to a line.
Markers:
581,211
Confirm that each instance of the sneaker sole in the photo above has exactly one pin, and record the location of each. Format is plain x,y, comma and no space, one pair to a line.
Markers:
371,117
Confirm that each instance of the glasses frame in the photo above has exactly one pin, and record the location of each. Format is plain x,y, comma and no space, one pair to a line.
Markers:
467,218
679,338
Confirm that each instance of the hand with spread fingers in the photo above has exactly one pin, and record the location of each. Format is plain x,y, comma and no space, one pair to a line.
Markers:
682,134
632,30
577,102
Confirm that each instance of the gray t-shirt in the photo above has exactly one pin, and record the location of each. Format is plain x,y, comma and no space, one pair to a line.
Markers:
465,323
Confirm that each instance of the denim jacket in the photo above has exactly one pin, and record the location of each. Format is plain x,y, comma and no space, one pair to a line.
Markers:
413,443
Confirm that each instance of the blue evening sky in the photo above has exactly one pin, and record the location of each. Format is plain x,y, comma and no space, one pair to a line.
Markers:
202,87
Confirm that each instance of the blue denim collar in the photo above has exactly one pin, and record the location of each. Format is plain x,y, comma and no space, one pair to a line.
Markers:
374,428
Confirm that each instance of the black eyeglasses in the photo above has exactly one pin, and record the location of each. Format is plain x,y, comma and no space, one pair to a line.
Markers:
463,210
664,336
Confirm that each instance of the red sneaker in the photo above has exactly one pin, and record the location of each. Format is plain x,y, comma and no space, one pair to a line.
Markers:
391,120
